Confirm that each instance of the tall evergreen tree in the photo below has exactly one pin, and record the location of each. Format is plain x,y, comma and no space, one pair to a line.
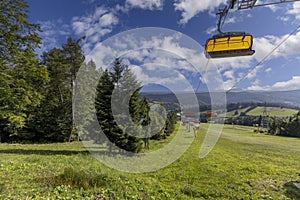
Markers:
103,108
84,98
129,105
122,82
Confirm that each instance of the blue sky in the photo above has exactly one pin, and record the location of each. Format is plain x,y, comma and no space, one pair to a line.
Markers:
100,20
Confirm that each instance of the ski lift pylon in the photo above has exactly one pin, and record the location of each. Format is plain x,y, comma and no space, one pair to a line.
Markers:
229,45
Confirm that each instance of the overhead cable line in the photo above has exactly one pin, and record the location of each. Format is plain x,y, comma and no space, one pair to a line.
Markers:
264,58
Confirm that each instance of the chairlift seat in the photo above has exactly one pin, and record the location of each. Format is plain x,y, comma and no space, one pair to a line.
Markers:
229,45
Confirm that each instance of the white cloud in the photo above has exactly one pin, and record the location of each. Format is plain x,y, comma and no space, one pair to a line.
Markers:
231,20
256,82
162,75
249,15
145,4
268,70
95,25
253,73
273,8
171,51
108,19
211,30
284,18
295,10
292,84
190,8
267,44
229,74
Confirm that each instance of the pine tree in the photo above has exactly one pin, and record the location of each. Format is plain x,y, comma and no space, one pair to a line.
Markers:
84,98
129,101
113,89
103,110
170,123
144,114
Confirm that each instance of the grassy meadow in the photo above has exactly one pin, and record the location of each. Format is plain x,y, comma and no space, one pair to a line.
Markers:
243,165
271,111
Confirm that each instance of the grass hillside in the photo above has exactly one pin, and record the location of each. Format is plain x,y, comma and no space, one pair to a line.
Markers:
238,111
242,165
271,111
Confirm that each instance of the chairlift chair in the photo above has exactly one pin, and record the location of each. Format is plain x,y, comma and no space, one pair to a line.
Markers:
230,44
233,44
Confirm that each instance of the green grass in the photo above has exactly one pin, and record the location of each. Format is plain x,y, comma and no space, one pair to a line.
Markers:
243,165
232,113
273,111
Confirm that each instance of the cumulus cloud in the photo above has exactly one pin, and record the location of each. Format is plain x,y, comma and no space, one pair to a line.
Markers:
167,50
190,8
295,10
292,84
268,70
95,25
284,18
157,51
273,8
145,4
290,47
231,20
161,75
211,30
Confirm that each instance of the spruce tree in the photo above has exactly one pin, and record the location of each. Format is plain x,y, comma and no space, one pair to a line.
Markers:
84,98
122,82
103,109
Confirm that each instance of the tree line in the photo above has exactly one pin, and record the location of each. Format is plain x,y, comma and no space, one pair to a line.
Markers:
289,127
36,93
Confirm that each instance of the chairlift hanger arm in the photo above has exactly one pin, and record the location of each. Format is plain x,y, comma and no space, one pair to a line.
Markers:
223,13
246,4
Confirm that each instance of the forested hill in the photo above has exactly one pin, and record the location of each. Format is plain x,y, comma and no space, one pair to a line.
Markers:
291,98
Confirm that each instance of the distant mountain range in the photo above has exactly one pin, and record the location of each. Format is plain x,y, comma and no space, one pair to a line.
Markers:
291,98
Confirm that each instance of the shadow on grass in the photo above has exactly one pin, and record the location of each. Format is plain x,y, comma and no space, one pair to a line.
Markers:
100,151
42,152
291,190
